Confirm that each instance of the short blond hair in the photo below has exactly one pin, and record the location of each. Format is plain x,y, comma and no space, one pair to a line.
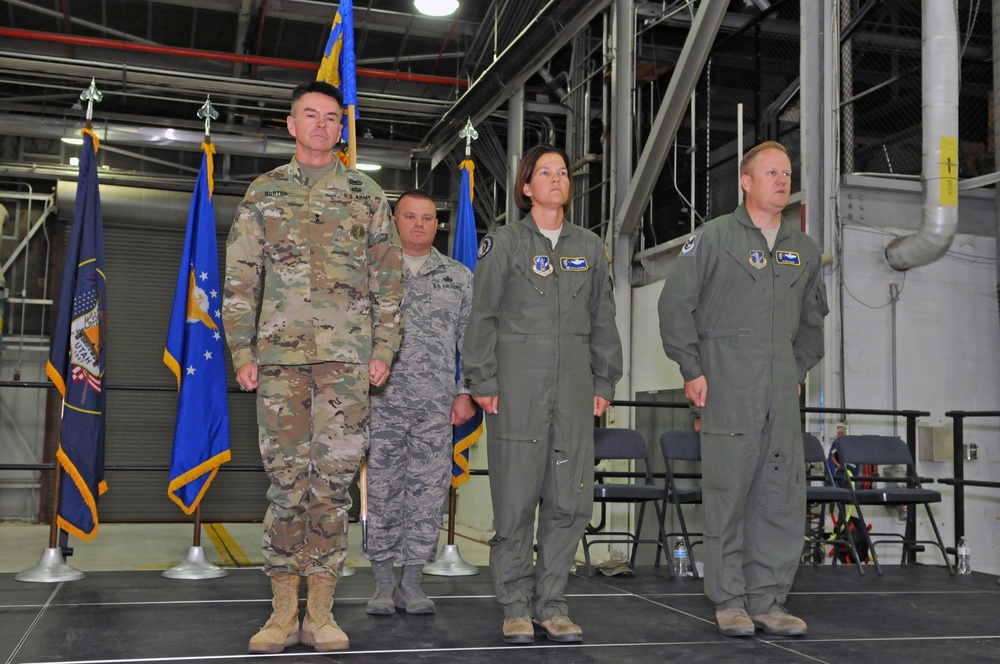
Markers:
756,150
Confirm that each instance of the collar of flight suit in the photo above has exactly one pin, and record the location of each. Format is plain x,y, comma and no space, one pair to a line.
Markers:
741,215
531,224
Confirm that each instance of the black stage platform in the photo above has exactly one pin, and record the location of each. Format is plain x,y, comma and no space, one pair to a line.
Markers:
911,614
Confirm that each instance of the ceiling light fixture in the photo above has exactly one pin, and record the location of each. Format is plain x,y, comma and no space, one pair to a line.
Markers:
368,167
72,141
436,7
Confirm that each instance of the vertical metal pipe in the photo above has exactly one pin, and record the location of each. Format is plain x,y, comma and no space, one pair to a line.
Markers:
939,119
515,146
621,245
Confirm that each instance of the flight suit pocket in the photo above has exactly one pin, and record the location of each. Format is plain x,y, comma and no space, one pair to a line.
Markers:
567,476
779,483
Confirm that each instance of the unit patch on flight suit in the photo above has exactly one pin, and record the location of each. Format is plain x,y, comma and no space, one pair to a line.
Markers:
542,267
687,248
485,246
576,264
757,258
786,258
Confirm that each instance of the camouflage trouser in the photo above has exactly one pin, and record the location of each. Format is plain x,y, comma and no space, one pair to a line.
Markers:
313,423
409,472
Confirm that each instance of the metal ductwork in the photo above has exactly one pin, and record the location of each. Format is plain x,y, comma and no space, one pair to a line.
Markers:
939,176
551,29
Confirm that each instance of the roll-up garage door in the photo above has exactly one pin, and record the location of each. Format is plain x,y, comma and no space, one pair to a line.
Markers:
141,264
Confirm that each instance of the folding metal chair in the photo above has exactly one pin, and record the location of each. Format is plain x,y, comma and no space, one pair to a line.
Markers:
821,490
681,445
888,491
623,444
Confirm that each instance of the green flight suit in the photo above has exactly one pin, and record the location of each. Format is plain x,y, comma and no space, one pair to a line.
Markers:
751,321
542,336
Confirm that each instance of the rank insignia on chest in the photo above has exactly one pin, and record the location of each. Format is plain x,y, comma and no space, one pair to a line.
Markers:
786,258
574,264
690,244
757,259
542,266
358,231
485,246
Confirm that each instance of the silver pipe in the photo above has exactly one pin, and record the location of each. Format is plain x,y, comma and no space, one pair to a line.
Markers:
939,176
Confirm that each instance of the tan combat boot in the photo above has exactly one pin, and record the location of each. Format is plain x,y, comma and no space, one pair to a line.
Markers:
282,628
319,629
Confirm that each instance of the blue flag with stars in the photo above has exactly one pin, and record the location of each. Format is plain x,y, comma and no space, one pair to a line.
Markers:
77,354
195,353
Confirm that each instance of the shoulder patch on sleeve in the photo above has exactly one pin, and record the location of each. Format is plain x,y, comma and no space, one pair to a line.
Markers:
689,247
485,246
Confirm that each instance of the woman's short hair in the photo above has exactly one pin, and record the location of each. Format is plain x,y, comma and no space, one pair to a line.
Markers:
527,167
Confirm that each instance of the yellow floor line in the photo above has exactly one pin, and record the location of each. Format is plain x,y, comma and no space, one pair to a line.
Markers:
231,553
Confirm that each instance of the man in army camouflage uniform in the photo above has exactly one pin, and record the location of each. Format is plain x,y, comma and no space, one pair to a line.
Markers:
312,316
409,461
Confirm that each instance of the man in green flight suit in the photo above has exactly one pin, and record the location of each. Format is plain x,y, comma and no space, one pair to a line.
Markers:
742,313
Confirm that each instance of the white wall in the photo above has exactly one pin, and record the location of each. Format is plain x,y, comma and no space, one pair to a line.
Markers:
947,352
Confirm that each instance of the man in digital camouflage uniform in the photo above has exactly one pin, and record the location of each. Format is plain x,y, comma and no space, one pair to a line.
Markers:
312,316
410,457
742,313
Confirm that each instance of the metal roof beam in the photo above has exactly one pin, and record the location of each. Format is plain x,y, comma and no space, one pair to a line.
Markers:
699,42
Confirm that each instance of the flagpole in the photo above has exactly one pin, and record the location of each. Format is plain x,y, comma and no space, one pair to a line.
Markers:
196,564
352,142
52,567
450,562
337,69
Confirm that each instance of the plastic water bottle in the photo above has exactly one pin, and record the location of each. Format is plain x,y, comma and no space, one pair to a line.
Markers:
964,567
680,558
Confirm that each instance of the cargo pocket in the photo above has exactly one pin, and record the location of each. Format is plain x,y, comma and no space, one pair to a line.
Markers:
779,483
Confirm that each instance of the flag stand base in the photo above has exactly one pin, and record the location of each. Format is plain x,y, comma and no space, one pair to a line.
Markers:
450,563
51,568
195,566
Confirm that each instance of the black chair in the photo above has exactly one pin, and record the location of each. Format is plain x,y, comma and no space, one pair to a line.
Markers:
681,445
888,491
623,444
821,491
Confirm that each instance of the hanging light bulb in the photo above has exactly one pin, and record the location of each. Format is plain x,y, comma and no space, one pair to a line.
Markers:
436,7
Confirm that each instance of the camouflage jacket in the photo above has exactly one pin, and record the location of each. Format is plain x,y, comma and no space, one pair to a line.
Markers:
313,273
437,304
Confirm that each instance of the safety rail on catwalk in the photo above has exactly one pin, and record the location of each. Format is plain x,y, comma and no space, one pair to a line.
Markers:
910,417
959,482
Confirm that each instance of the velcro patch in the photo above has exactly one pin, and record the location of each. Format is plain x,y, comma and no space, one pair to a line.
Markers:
574,264
786,258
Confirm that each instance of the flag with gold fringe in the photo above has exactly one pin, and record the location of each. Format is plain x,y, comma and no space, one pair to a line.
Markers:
195,352
77,357
338,66
465,251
